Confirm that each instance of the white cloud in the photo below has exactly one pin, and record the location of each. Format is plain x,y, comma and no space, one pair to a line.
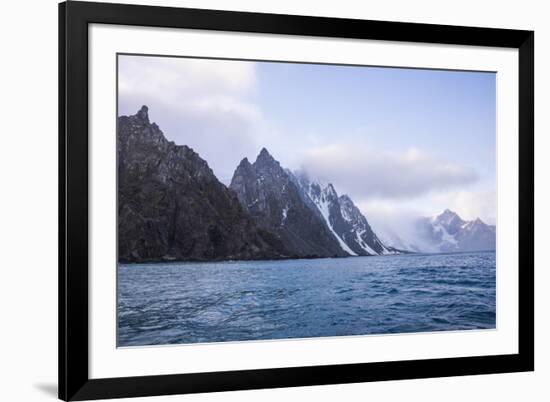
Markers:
211,106
396,223
175,79
205,104
471,204
368,173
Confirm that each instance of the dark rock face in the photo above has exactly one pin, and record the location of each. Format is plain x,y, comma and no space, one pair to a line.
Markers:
271,196
172,207
448,232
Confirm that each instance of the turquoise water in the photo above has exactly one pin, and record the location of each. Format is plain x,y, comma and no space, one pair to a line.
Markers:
175,303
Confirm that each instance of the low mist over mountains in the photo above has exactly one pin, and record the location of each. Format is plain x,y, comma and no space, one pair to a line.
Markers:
171,206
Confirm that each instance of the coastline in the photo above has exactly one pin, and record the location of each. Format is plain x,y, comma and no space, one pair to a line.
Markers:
198,261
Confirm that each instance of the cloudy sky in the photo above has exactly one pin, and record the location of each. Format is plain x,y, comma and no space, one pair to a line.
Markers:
400,142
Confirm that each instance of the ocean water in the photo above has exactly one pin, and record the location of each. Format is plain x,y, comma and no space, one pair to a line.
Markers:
177,303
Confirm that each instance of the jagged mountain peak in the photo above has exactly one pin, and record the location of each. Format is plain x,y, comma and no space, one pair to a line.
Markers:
330,190
265,157
143,113
449,232
267,165
244,164
446,214
449,219
346,202
271,195
345,198
264,152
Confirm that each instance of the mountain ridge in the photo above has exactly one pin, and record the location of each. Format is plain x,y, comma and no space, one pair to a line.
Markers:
271,197
171,206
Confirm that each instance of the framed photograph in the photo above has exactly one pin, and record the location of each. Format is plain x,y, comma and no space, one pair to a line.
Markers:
257,200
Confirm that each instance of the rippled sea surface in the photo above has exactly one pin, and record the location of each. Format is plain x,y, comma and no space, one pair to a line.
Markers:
235,301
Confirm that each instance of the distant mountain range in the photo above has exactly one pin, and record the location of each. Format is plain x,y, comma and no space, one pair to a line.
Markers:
171,206
446,232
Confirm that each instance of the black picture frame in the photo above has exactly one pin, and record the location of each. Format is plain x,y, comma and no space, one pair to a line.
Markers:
74,381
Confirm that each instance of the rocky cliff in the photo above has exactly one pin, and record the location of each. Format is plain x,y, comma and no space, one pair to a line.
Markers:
271,196
172,207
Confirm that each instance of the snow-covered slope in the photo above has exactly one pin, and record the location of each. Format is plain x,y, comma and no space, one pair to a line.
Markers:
360,228
343,218
326,201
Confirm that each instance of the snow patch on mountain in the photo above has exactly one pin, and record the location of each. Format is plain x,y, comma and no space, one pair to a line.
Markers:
285,214
323,206
445,236
364,245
